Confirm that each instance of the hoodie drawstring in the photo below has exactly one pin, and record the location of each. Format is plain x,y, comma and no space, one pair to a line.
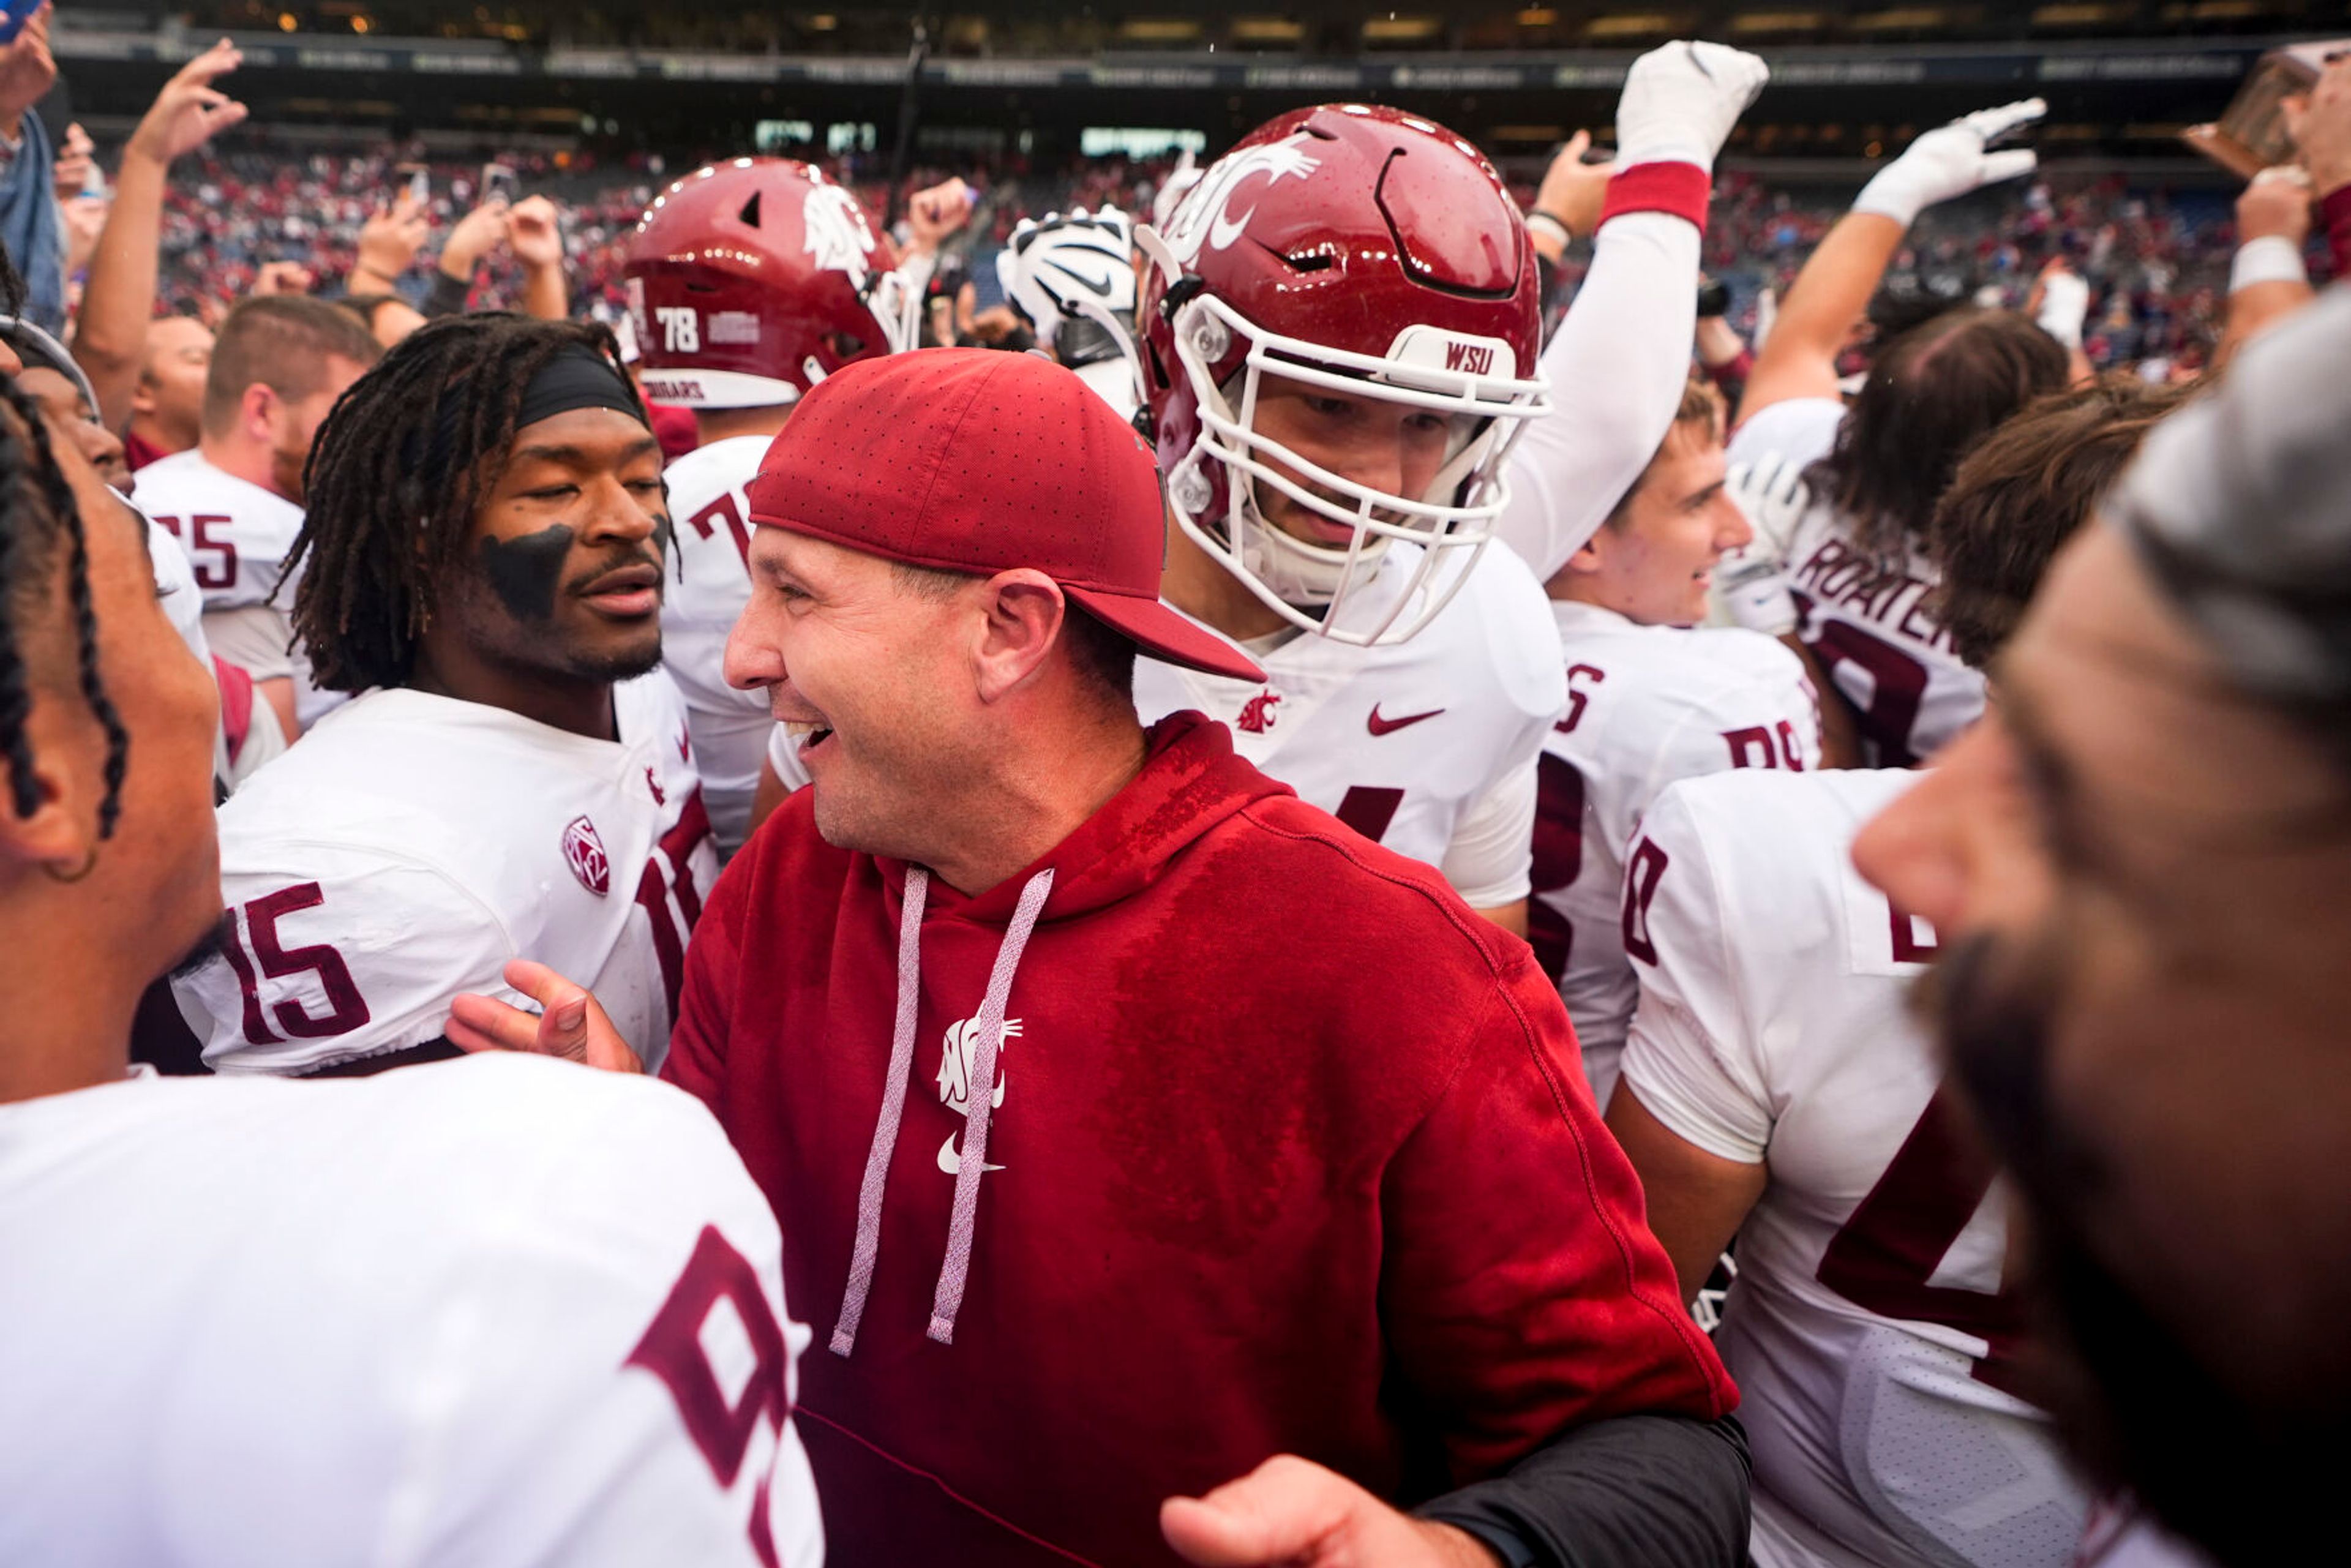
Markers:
983,1037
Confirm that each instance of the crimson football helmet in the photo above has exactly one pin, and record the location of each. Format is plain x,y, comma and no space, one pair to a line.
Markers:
752,280
1364,251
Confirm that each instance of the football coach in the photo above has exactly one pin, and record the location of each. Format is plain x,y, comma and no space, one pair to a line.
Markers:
1132,1126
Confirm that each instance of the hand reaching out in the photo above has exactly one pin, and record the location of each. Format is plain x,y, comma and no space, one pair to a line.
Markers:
535,233
190,110
390,240
1289,1513
932,215
2275,202
571,1023
1574,190
27,69
474,236
1949,162
283,277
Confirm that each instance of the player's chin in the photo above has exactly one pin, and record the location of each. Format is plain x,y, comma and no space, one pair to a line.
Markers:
619,653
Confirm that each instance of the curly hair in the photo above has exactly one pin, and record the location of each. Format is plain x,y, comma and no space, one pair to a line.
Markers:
399,470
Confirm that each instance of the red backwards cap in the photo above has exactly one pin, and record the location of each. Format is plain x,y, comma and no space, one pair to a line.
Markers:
976,460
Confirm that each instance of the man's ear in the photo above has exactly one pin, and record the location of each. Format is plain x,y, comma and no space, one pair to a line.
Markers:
142,397
1023,613
257,411
61,831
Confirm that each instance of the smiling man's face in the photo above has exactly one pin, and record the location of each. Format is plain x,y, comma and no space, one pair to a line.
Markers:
563,573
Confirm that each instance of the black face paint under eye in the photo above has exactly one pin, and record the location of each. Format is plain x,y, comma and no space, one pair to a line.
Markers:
524,573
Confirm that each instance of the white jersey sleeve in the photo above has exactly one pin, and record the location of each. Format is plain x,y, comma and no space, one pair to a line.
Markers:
336,951
499,1312
1690,1055
176,590
1616,368
1802,430
709,585
1489,862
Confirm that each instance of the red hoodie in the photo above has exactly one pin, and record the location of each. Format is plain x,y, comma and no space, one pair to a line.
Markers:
1293,1154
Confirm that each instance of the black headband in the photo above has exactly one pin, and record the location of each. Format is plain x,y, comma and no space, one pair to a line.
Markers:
578,376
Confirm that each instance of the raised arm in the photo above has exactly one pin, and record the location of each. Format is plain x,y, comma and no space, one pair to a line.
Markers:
110,338
1799,358
534,235
2267,280
1618,362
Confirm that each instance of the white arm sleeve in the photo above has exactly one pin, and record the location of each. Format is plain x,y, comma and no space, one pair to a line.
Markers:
1491,859
1688,1054
1616,368
336,952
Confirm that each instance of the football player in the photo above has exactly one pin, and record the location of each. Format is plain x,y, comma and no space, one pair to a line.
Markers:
1340,333
1070,276
234,500
1777,1085
482,568
1857,588
454,1316
751,281
1651,698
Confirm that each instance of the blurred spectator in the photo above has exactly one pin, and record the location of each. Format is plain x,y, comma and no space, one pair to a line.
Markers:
167,406
31,225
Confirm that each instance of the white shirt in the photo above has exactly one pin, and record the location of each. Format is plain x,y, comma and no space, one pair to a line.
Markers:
1870,622
708,587
1773,1026
412,844
1645,705
464,1314
176,590
1428,746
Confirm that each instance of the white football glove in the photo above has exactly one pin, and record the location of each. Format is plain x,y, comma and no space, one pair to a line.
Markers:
1680,102
1950,161
2065,305
1056,262
1750,585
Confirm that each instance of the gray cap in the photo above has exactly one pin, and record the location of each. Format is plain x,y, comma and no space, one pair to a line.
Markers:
2240,506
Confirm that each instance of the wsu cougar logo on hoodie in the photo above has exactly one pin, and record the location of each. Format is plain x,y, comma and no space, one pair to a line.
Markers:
956,1053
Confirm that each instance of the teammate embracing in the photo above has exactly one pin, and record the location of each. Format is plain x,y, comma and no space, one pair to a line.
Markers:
1343,365
482,569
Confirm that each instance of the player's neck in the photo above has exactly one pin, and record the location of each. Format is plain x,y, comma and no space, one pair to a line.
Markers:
69,1018
580,706
1194,583
145,428
712,425
246,460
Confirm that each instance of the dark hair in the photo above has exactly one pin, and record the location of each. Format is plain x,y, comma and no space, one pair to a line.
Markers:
2025,490
395,476
37,515
282,341
1930,395
1101,654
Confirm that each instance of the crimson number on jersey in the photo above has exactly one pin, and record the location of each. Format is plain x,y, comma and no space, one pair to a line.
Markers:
724,509
216,566
1894,683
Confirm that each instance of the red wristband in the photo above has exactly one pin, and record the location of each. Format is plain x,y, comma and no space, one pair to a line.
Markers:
1681,189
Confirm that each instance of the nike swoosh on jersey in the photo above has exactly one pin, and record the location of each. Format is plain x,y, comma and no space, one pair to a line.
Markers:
1379,726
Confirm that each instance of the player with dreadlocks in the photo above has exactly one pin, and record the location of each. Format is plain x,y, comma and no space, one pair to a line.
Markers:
161,1232
481,569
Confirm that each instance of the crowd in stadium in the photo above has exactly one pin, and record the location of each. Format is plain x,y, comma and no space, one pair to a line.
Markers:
1310,860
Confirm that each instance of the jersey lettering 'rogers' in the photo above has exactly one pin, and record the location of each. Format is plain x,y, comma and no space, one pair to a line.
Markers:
1866,586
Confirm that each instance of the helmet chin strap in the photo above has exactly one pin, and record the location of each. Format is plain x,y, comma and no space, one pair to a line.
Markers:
1295,572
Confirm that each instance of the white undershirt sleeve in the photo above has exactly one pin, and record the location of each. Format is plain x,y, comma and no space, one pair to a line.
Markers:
1490,860
1616,368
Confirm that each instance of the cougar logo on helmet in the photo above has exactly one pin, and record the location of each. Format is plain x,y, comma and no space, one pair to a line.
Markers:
837,238
1206,216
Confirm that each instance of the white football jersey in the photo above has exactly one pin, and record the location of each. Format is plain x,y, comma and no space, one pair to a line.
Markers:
1867,1329
1870,622
1428,746
176,590
501,1311
709,585
237,535
1645,705
412,844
